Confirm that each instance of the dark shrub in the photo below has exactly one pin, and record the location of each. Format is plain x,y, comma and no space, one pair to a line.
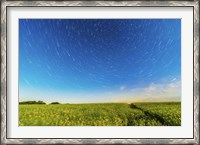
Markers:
55,103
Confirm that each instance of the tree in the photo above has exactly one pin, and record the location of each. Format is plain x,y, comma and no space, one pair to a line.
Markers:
41,102
55,103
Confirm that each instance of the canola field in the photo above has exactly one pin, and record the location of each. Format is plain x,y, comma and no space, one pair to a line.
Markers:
101,114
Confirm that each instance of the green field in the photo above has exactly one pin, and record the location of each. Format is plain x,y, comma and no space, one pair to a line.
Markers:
101,114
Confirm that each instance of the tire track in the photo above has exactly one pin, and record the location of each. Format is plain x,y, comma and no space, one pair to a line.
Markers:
149,114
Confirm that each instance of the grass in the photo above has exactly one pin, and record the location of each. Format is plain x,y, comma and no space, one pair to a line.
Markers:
102,114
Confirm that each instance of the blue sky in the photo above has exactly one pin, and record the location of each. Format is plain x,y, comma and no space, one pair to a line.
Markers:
99,60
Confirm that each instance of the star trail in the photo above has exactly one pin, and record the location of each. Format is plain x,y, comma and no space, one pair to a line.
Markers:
98,60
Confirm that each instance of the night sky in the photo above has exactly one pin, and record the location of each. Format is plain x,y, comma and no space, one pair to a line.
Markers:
99,60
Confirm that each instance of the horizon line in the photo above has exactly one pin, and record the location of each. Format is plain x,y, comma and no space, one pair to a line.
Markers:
111,102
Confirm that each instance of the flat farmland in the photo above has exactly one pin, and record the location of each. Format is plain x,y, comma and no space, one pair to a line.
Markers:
101,114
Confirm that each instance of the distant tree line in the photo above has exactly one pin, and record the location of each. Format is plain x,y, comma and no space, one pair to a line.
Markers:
32,102
36,102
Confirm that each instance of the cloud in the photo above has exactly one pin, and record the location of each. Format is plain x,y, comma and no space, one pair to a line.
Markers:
122,88
152,87
167,91
153,92
164,90
174,79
